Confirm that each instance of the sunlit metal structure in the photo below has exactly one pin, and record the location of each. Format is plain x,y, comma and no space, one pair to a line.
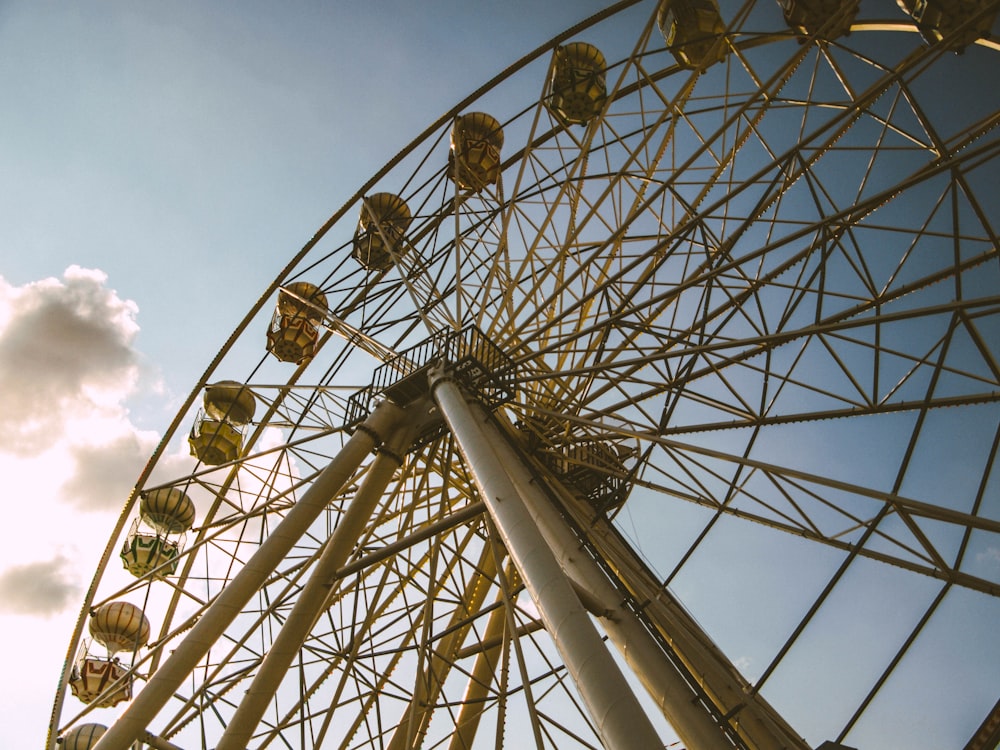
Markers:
662,406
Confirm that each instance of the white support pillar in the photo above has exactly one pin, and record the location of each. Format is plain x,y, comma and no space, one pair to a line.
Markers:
665,684
230,602
756,722
309,603
620,720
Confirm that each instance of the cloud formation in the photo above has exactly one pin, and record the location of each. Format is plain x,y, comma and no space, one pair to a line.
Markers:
65,353
989,556
104,474
68,366
38,588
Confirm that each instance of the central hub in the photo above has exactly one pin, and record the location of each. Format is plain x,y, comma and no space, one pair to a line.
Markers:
471,358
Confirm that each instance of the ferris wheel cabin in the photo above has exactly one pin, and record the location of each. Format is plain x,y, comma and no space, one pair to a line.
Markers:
577,89
217,434
826,19
120,627
693,30
156,538
294,331
82,736
955,23
382,224
474,159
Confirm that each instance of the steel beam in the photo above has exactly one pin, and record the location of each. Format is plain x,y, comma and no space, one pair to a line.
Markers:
620,720
674,694
230,602
412,727
310,601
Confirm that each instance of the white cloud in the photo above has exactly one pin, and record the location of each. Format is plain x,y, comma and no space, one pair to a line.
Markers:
990,556
103,474
67,444
67,366
38,588
65,353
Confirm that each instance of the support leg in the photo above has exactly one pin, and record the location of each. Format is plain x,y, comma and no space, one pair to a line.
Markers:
620,720
667,686
231,600
309,603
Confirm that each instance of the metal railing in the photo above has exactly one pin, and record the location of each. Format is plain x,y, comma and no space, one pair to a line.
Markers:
475,361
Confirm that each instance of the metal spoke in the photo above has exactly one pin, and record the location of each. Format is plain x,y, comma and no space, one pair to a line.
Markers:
717,380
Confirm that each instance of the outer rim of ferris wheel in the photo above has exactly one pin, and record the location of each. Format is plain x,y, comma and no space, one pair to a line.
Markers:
616,374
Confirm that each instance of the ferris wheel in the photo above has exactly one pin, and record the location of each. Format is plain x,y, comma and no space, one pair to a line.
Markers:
649,398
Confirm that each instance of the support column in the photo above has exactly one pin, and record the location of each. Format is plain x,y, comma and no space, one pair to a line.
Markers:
480,679
234,596
756,722
412,726
310,601
620,720
666,685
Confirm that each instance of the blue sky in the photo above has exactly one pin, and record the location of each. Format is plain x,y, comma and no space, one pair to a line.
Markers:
200,147
158,165
179,154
